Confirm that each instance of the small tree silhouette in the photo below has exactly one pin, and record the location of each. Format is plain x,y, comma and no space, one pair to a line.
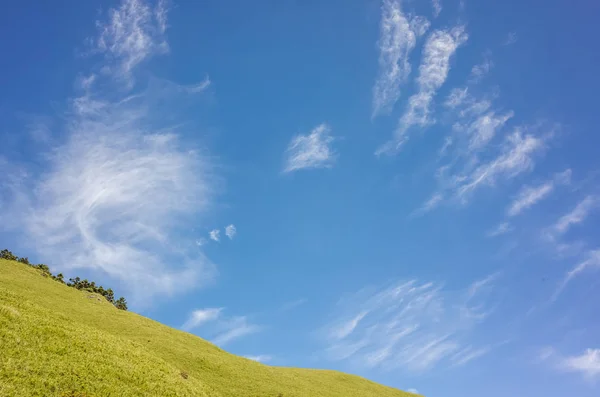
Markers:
121,304
6,254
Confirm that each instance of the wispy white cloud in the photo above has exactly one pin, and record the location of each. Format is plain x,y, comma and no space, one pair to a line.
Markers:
555,236
111,194
477,124
473,160
515,157
529,196
200,317
215,235
86,82
575,217
411,325
219,328
398,37
344,329
235,328
511,38
483,129
545,353
448,141
200,87
480,285
564,177
135,31
437,7
230,231
466,173
586,363
293,304
433,71
479,71
473,108
119,182
262,358
310,151
468,354
591,261
457,97
160,13
433,202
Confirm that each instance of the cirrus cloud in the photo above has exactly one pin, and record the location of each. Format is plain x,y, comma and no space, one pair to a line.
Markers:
411,325
433,71
117,182
311,151
219,328
230,231
398,37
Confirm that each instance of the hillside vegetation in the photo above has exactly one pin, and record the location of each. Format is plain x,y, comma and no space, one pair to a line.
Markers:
60,341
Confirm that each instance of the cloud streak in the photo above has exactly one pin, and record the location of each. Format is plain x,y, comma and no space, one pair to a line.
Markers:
398,37
479,71
515,158
501,229
200,317
261,358
469,354
235,328
437,7
219,328
528,197
511,38
433,71
483,129
465,173
429,205
135,31
311,151
481,151
575,217
410,325
591,261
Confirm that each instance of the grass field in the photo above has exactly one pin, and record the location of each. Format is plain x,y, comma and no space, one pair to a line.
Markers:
59,341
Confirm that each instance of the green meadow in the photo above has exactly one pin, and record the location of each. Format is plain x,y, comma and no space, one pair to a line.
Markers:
60,341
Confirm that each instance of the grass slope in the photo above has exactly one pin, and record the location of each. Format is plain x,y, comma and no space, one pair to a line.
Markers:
58,341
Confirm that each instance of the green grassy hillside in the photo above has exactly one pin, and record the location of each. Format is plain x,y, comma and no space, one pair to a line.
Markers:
59,341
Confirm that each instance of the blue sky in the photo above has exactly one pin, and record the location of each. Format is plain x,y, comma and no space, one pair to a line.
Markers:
404,190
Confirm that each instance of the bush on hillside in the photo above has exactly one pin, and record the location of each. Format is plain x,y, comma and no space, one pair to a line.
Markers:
76,282
6,254
121,303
